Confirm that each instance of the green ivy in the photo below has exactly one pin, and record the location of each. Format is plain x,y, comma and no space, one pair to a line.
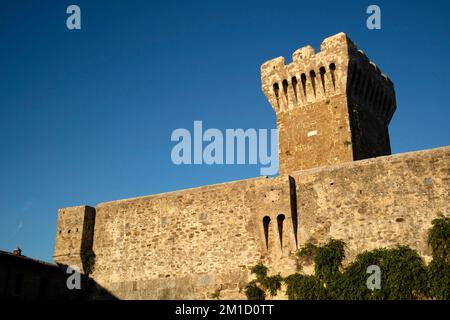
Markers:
404,274
272,284
307,253
260,271
216,294
439,238
438,270
328,260
304,287
256,289
352,284
438,273
254,292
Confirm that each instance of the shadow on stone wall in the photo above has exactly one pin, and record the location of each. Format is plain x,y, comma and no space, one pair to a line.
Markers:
90,289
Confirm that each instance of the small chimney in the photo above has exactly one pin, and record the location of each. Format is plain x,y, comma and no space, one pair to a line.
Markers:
17,251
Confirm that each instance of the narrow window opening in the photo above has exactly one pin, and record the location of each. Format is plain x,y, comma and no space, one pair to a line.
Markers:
313,80
357,80
303,78
285,88
322,77
276,90
372,95
280,220
361,87
366,93
333,76
294,85
266,224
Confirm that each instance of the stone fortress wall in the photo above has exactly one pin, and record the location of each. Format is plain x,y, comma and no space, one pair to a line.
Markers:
188,244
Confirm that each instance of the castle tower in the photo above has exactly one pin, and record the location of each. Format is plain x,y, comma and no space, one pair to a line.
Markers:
74,235
333,106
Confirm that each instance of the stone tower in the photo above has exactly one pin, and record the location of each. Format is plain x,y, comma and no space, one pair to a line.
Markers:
333,106
74,235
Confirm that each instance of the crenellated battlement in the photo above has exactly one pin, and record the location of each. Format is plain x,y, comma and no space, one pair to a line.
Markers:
309,78
339,68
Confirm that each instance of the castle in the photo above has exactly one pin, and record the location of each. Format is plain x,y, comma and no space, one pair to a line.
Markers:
336,179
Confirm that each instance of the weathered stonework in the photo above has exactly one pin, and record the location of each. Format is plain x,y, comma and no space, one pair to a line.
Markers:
75,233
333,106
188,244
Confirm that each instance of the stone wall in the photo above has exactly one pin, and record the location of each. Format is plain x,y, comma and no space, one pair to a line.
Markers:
74,235
373,203
315,135
188,244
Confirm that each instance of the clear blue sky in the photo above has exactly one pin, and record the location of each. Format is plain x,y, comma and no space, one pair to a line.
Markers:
86,116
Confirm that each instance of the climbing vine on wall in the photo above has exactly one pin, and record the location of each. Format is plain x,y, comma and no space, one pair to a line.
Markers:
257,289
438,270
404,274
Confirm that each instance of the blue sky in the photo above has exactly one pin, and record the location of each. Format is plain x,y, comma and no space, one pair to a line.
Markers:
86,116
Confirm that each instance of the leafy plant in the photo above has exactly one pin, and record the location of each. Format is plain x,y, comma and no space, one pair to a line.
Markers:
439,238
438,273
304,287
256,289
260,271
216,294
328,260
253,292
438,270
307,253
404,274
